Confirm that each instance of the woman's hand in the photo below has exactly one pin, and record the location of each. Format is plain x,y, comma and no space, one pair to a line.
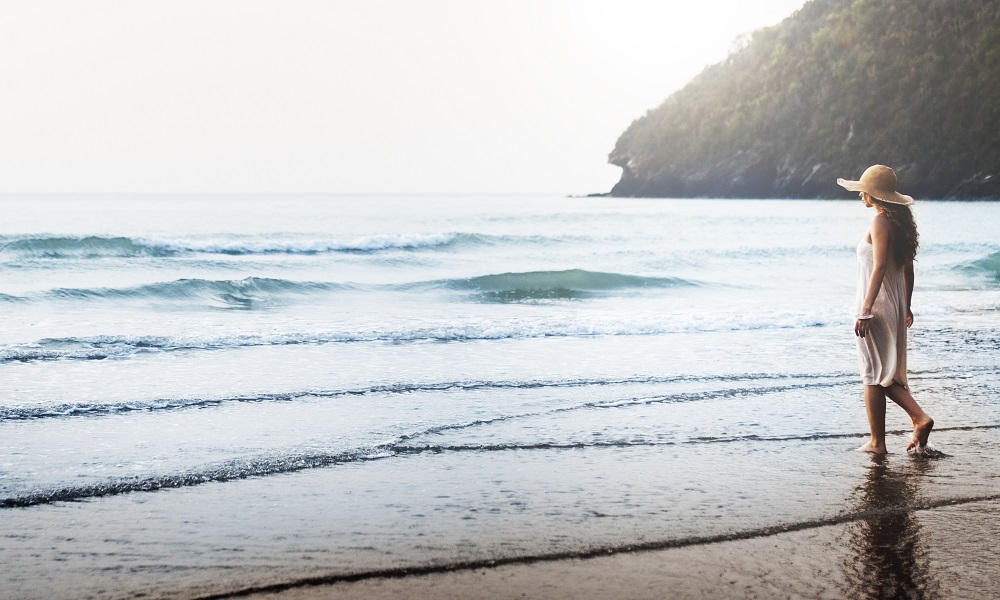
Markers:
909,317
862,327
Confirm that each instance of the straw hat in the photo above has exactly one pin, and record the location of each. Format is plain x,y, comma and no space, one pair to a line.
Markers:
880,182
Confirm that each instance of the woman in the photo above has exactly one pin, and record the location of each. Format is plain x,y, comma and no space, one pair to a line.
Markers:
885,286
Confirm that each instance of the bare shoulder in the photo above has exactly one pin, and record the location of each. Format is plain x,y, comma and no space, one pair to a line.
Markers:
880,226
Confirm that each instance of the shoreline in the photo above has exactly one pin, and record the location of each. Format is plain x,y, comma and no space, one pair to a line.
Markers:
753,557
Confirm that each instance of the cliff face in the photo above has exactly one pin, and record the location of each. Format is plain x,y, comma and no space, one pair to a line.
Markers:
836,87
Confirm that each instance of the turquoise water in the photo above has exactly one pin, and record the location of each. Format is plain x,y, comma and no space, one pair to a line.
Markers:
203,393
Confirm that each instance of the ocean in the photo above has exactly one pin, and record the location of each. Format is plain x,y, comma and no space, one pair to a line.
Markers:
201,394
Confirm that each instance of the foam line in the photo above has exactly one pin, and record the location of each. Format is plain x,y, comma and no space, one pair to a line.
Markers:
291,463
98,247
230,471
104,409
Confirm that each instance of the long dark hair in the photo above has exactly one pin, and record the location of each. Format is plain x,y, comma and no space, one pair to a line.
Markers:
903,239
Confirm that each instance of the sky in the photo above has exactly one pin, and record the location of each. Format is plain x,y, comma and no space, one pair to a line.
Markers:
339,96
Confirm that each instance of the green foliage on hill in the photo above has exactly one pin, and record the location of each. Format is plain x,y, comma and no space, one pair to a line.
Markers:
836,87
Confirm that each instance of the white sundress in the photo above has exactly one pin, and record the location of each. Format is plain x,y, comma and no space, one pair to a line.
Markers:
882,353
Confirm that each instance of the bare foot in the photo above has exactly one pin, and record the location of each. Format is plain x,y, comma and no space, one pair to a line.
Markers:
871,447
921,431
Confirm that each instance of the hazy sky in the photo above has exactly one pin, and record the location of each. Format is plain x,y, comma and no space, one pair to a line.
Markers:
342,96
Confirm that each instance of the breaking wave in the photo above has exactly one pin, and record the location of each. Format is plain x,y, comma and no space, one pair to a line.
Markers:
81,247
989,265
247,293
94,247
556,285
256,292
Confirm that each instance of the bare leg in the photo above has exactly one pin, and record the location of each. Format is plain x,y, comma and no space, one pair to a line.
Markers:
875,407
922,423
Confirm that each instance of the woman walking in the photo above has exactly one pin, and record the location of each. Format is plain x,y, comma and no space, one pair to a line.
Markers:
885,287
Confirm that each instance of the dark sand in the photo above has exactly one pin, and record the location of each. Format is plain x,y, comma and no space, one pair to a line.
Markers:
949,551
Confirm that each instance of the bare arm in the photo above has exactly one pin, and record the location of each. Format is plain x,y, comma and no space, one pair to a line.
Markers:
908,281
880,260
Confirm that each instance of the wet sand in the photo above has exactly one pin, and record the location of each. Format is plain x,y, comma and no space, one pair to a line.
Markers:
946,551
800,519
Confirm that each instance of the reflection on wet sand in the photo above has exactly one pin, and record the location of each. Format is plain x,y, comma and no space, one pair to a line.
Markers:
890,556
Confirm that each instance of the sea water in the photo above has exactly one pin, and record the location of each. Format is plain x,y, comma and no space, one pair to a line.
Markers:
201,394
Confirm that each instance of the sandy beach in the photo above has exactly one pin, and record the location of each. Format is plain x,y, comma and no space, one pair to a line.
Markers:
942,552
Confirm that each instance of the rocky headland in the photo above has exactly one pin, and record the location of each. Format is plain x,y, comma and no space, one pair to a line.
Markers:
834,88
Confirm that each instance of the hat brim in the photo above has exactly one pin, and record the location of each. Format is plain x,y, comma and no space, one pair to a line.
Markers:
884,196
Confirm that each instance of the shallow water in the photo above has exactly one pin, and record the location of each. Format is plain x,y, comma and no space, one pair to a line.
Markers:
199,394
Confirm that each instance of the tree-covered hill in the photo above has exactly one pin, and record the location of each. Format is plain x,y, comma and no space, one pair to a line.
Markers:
836,87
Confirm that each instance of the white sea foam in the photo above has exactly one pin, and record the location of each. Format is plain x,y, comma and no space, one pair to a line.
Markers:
928,450
371,243
110,346
54,246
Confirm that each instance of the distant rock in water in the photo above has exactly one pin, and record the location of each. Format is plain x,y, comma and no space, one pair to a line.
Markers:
836,87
